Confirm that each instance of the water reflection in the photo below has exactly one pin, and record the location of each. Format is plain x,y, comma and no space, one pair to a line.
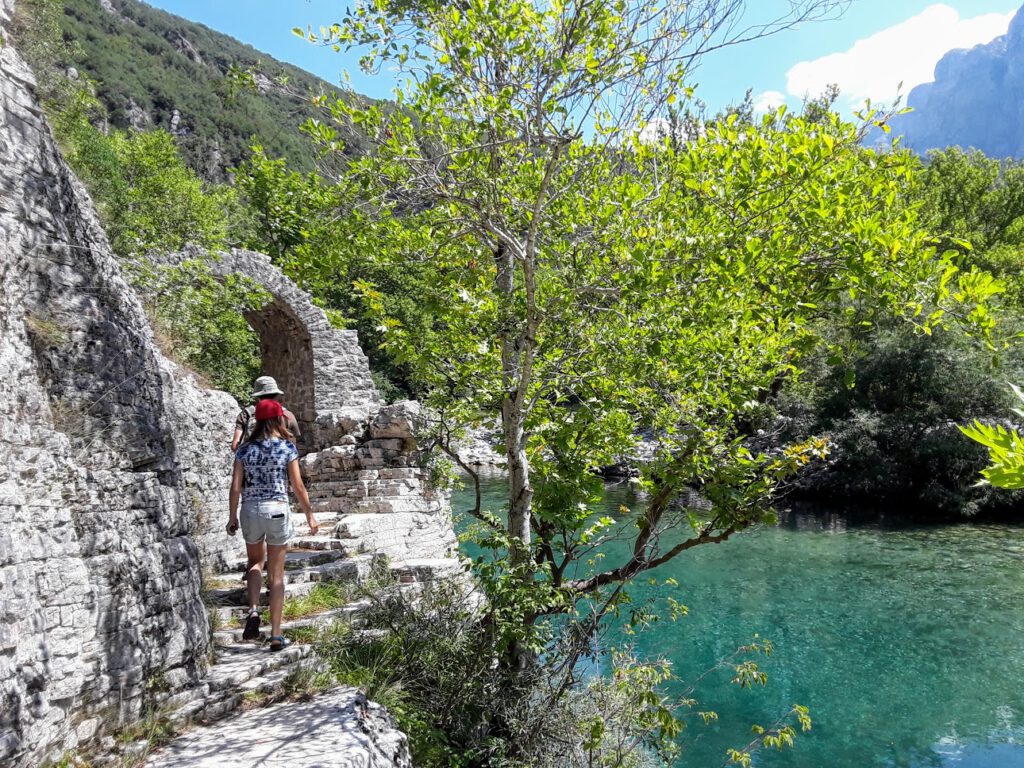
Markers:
907,643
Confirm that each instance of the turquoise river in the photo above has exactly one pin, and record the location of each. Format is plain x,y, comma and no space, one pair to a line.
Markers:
906,643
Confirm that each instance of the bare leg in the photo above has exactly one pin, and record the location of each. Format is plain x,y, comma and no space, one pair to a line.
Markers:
275,565
254,574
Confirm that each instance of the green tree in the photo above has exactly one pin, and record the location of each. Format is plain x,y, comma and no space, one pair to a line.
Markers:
590,283
976,203
288,208
891,412
148,198
309,227
957,191
159,203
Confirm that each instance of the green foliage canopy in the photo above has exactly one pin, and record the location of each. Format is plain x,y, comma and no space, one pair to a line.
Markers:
977,204
200,320
590,284
148,198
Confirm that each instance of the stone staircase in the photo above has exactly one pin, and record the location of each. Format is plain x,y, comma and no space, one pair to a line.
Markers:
245,670
381,524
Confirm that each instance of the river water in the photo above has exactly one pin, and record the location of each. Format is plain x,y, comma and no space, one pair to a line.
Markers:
906,643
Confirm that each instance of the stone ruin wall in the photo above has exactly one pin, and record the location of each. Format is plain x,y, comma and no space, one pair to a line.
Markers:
114,462
322,369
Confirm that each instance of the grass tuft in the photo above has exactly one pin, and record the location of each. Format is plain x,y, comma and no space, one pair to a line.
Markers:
325,596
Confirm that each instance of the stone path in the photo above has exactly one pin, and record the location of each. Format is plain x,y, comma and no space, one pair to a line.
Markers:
298,735
340,728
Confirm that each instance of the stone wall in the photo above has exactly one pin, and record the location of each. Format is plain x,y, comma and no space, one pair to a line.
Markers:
113,466
115,463
374,482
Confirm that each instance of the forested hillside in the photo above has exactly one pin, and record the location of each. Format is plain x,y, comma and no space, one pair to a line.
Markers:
157,70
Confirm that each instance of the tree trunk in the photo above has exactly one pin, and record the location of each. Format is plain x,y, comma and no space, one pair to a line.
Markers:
520,491
513,416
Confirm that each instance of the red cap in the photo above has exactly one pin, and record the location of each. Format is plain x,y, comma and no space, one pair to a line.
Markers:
268,409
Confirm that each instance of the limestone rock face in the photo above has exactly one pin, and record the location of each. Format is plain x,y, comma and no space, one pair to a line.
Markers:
396,420
340,729
138,120
185,46
114,465
976,99
477,448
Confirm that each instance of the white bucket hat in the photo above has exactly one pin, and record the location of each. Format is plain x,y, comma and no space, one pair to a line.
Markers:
265,386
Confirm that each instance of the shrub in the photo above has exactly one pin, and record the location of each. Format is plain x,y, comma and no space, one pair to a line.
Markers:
436,658
199,317
892,417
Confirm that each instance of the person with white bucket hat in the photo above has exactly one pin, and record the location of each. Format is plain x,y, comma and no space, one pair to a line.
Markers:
264,388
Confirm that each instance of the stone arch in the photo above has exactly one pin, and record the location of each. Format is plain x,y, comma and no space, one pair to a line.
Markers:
286,349
322,369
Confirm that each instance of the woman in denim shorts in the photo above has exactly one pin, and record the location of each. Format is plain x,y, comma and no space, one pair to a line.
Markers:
265,465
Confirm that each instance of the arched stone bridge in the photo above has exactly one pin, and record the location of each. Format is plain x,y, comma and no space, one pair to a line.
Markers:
322,369
360,457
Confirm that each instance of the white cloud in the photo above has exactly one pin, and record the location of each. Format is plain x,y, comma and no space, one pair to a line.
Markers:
908,52
655,131
768,101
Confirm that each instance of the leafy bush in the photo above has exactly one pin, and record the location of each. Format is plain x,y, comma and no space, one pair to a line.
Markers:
435,663
1005,449
148,199
307,225
199,318
892,417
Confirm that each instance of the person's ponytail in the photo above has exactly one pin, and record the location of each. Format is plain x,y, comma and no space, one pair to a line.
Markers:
265,429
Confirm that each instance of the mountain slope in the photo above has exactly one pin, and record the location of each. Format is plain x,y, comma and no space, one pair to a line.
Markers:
155,69
976,99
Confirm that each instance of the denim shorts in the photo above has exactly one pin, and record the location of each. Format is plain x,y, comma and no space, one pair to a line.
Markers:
270,520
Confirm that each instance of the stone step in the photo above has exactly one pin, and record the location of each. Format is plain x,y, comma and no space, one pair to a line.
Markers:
337,728
348,613
219,704
377,505
391,489
299,517
235,664
227,602
294,559
237,670
328,522
298,581
426,569
323,543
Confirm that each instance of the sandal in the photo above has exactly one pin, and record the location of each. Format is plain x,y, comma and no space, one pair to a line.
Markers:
252,626
279,642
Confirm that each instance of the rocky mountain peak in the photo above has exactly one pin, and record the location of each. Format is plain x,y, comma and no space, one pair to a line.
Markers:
976,99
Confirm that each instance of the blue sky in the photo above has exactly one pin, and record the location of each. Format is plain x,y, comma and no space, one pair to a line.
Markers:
872,47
